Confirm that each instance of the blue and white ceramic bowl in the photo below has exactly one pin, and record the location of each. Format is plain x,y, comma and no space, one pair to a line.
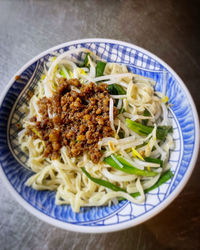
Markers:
126,214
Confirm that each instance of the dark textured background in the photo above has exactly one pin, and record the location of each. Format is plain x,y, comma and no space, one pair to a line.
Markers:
171,30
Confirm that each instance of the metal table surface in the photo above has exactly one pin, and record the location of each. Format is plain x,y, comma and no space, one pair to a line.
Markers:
171,30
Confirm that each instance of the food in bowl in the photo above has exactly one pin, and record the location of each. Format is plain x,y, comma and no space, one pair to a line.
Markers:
96,133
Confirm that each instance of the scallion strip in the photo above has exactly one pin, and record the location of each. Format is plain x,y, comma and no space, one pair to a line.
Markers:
116,89
154,160
127,167
64,72
164,178
85,62
161,132
103,182
146,113
100,66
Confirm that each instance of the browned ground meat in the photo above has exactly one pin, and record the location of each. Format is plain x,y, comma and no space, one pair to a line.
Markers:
78,120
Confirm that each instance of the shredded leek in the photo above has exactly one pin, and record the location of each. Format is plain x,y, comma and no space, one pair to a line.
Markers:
116,89
85,62
164,178
127,167
64,72
161,132
100,68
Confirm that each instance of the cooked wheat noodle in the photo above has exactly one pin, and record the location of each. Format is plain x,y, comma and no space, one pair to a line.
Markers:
64,175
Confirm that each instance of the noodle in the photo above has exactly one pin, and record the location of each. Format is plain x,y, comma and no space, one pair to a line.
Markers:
64,174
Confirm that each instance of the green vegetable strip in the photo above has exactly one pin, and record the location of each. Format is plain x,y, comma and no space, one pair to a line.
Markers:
146,113
141,145
100,66
122,110
164,178
103,182
161,132
144,144
116,89
138,128
64,72
127,167
121,134
154,160
85,62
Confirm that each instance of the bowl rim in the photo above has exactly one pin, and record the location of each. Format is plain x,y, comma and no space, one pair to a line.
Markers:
145,217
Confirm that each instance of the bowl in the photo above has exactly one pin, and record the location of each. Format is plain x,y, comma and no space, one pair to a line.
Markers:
106,218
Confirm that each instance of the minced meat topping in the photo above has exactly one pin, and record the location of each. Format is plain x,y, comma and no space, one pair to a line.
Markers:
74,119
